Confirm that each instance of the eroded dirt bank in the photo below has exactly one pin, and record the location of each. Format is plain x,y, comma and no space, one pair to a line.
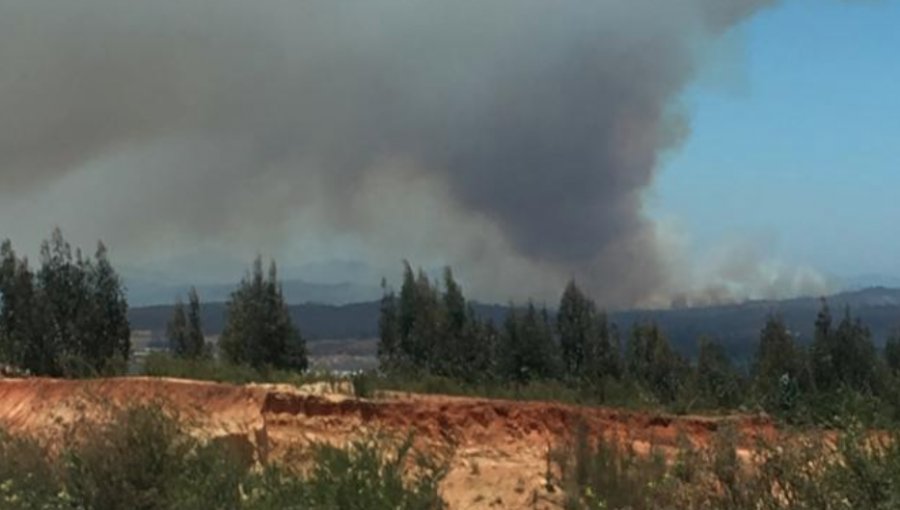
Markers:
500,447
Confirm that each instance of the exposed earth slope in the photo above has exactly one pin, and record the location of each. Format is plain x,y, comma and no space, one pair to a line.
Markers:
499,448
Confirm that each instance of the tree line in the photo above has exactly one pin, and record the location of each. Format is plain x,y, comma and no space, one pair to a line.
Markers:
429,327
69,317
259,331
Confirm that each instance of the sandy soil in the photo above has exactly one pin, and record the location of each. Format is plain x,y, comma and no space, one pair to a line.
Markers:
500,448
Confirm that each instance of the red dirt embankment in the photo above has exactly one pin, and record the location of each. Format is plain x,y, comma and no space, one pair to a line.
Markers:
500,447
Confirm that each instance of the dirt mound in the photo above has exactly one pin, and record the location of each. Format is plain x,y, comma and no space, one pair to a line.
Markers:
45,405
501,447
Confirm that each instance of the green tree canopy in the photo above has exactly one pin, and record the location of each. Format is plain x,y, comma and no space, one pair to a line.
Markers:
823,349
528,349
185,329
651,362
177,330
68,319
259,330
892,352
111,337
438,331
779,368
854,355
718,382
197,346
576,323
21,336
588,343
389,355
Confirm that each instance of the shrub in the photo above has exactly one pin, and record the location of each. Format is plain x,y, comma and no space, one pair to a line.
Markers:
362,385
26,475
605,475
855,470
141,460
340,476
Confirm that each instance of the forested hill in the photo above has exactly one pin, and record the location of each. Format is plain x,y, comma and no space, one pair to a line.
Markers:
736,326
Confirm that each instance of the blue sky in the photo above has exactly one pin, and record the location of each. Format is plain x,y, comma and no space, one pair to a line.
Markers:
799,142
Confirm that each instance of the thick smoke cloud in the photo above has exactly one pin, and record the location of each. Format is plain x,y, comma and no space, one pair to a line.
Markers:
542,122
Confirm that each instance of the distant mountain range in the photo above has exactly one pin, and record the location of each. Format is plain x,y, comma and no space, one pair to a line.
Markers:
143,293
736,326
870,280
330,282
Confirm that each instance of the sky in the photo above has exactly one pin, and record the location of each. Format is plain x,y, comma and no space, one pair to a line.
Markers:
692,150
794,140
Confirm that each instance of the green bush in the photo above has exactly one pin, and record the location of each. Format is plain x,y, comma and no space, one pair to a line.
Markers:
339,476
26,475
362,385
143,459
368,475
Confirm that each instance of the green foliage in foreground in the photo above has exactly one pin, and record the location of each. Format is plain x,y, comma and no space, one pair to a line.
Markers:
145,460
856,471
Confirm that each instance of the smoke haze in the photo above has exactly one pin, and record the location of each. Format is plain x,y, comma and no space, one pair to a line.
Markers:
513,139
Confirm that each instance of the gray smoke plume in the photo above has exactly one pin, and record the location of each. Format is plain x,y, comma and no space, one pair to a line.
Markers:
541,121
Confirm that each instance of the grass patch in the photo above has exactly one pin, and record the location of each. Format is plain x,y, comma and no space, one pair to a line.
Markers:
610,392
159,364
